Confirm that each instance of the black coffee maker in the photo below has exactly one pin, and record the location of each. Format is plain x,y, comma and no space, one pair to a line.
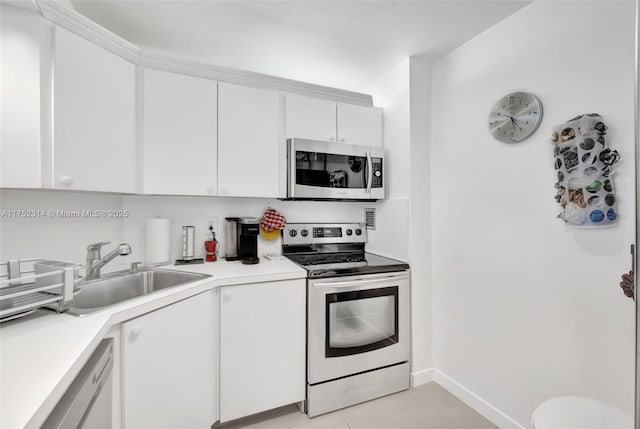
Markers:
242,239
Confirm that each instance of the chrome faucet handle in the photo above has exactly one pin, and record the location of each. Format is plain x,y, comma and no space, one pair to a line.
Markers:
97,246
134,267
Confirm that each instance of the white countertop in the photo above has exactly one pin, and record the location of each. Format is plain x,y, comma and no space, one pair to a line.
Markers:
41,354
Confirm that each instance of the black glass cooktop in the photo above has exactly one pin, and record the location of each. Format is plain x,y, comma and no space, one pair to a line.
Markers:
345,264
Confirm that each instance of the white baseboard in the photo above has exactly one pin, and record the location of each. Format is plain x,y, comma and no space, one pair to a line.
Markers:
421,377
490,412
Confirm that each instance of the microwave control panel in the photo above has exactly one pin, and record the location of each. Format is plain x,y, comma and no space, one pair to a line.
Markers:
376,165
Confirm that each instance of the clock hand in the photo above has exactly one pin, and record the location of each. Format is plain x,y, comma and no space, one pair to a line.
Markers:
522,124
514,123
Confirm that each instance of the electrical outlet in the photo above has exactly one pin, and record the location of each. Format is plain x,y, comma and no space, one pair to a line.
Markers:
210,223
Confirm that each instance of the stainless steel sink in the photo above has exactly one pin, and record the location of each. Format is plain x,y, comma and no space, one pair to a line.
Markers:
121,286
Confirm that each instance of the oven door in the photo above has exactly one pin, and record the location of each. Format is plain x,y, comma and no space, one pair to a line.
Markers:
325,170
356,324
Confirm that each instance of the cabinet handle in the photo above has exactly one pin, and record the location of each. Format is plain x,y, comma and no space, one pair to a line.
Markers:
342,139
226,297
332,138
135,333
66,180
209,190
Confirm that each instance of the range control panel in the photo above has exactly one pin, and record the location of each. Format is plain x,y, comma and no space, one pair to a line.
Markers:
309,233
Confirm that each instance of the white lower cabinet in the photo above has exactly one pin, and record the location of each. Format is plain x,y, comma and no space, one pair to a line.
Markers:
262,347
169,368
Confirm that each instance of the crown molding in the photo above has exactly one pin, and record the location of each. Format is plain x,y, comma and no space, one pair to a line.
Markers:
29,5
247,78
62,13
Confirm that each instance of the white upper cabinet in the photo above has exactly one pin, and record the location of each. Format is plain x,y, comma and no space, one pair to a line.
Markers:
249,136
359,125
317,119
20,91
180,134
310,118
94,117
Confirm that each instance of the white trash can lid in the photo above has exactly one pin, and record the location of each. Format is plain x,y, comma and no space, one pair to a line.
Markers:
576,412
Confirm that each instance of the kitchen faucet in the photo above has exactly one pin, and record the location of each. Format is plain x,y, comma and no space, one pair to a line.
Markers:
95,262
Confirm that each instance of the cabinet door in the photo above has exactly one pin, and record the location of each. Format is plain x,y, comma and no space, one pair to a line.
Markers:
94,117
168,366
249,136
180,134
20,91
310,118
262,347
359,125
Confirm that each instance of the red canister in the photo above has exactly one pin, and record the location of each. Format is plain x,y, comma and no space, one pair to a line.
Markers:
211,248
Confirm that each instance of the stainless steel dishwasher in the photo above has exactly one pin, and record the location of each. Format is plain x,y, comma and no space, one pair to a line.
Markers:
87,402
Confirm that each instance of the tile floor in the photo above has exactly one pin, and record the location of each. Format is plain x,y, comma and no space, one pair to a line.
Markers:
426,407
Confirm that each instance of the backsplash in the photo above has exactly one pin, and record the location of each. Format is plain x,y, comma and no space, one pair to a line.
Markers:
198,210
60,224
51,224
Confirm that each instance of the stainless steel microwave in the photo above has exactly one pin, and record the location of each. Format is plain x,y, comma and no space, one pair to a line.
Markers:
318,170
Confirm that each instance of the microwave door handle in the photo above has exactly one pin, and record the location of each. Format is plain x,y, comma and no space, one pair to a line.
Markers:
369,172
359,282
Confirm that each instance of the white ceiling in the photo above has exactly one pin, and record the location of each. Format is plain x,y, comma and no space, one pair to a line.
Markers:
343,44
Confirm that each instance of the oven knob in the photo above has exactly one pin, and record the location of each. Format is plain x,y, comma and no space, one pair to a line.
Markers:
358,231
377,173
304,233
293,233
349,232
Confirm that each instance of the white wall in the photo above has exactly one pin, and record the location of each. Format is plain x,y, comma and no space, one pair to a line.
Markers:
420,241
391,93
525,308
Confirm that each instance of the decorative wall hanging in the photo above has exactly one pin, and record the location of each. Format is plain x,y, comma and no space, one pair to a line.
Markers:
515,117
584,168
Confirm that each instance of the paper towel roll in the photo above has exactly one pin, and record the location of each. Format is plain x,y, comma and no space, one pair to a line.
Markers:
158,241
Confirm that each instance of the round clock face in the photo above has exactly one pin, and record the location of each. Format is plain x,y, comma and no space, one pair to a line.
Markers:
515,117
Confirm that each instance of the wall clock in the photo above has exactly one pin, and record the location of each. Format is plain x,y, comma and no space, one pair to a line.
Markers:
515,117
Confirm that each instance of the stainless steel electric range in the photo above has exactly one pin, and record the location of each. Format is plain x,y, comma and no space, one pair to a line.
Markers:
357,316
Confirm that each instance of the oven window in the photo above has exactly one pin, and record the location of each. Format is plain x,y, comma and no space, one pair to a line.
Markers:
331,170
361,321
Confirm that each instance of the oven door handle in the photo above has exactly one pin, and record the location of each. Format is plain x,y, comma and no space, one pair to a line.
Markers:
354,283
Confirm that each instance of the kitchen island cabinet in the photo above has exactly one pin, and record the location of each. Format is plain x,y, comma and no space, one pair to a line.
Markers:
168,366
262,347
